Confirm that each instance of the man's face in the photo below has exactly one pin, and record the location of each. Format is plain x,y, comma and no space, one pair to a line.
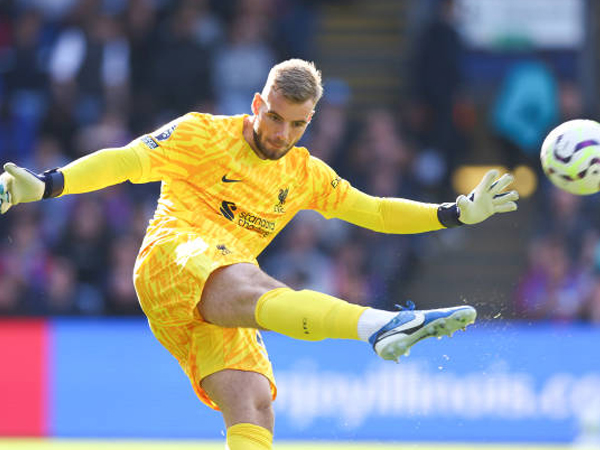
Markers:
279,123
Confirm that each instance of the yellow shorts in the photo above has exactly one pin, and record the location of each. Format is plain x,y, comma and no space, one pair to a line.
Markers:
169,276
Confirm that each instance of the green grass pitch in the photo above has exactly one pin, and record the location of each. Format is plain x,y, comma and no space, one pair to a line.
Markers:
76,444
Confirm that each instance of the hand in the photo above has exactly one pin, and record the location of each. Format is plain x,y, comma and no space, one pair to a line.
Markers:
18,185
487,199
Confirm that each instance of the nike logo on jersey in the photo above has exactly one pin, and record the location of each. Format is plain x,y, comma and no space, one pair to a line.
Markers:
229,180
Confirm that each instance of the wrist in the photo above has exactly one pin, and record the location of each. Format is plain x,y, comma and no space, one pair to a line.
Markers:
448,215
54,183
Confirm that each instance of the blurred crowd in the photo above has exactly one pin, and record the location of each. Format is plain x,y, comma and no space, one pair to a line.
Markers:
561,281
81,75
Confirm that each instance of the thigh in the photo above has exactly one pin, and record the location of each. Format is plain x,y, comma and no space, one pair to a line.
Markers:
230,294
242,397
171,274
214,349
169,278
203,349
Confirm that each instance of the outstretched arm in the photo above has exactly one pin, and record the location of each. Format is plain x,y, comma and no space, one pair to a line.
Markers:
92,172
401,216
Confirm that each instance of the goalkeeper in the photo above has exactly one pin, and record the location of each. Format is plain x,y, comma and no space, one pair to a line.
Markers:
229,185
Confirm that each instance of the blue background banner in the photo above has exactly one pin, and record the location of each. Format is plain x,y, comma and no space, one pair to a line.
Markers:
496,382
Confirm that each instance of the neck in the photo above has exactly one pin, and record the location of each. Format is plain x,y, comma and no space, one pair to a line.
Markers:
248,133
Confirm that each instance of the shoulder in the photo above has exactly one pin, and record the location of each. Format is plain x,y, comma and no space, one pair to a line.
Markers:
302,152
299,154
297,160
197,125
218,123
199,119
312,167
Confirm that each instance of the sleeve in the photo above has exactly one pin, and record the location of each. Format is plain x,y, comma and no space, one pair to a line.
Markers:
327,191
152,157
389,215
171,151
101,169
334,197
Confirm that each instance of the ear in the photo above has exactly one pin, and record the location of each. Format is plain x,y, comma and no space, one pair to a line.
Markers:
257,102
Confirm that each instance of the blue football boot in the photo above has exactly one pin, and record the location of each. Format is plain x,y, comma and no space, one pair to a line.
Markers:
410,326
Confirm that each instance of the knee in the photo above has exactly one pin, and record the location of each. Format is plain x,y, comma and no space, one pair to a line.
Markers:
258,410
230,295
264,413
242,397
263,407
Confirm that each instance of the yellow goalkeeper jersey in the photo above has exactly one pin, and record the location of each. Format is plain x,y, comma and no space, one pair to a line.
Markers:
215,184
221,204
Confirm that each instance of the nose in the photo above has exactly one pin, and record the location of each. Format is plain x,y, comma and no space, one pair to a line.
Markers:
282,132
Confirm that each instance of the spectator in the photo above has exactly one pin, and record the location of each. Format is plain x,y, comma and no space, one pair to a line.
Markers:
242,64
331,134
143,33
56,215
81,75
90,65
121,297
85,245
300,264
553,288
60,296
564,217
110,130
26,84
379,152
24,259
182,66
436,80
352,279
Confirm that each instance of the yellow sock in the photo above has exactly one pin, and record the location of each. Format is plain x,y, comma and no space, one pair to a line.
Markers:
307,315
247,436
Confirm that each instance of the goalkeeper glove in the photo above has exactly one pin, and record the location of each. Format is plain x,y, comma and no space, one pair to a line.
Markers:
19,185
484,201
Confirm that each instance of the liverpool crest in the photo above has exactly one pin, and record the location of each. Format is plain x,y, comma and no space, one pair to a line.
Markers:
282,197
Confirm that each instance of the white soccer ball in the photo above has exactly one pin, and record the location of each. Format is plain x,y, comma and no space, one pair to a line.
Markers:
571,156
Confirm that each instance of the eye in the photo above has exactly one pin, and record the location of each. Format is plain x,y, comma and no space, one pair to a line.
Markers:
298,124
274,118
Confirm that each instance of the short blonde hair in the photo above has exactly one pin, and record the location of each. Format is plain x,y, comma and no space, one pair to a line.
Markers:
296,79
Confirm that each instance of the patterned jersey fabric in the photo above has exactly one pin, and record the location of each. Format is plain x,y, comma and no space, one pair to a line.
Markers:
214,184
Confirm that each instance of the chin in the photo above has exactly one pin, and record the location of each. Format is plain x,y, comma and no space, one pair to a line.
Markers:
274,157
276,153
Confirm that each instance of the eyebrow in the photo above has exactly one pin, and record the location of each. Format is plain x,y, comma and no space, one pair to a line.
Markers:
270,111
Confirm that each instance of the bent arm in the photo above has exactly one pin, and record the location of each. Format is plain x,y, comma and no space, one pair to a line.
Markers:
389,215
